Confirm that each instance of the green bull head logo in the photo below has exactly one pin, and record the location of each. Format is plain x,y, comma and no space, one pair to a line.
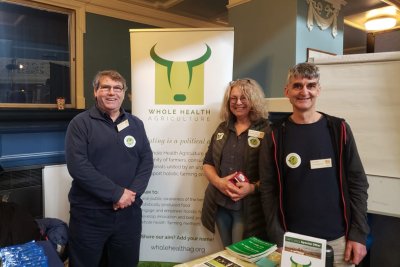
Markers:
293,160
179,82
296,264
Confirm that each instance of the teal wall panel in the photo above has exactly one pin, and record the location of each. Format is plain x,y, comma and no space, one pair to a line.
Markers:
107,46
316,38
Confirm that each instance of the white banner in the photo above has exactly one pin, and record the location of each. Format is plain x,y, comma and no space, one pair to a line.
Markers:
178,82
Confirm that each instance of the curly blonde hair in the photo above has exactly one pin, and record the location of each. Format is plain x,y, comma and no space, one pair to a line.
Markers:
254,94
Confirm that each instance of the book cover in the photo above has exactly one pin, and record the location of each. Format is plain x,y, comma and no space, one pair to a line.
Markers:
251,249
219,261
302,250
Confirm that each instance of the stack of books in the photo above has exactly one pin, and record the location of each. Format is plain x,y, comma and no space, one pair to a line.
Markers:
251,249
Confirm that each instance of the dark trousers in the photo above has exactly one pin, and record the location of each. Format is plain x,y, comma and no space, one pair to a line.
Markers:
116,233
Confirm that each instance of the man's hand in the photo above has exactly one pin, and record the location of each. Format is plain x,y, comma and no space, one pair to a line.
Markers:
354,252
127,198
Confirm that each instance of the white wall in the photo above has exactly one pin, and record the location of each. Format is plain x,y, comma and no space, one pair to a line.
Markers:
56,185
364,89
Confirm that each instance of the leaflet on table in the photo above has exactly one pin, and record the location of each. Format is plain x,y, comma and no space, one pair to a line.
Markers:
219,261
251,249
302,250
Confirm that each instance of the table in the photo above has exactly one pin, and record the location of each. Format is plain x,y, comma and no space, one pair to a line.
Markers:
275,256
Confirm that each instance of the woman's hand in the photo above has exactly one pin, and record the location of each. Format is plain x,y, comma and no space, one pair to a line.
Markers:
242,189
235,191
225,186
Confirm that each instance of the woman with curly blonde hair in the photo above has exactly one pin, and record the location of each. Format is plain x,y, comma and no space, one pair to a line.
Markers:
252,92
235,206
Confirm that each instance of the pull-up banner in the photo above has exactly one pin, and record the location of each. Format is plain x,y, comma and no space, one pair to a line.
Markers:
178,82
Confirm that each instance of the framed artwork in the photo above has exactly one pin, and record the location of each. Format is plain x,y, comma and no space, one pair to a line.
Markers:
315,53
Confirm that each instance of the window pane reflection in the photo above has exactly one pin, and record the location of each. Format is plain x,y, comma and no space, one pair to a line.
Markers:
34,55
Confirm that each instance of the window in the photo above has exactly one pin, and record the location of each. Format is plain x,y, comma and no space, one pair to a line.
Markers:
36,58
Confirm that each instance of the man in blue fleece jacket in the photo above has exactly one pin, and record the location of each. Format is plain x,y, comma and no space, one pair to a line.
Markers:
110,160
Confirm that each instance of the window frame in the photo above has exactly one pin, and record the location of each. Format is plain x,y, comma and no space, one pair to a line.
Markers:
76,21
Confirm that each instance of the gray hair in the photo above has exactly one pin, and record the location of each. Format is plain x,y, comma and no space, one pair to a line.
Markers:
112,74
303,70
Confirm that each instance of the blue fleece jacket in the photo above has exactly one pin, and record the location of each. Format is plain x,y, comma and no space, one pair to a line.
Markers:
103,160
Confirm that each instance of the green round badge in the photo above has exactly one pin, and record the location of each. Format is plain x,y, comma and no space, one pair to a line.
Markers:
129,141
293,160
253,141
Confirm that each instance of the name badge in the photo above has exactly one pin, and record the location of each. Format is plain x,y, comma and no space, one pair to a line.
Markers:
320,163
258,134
122,125
220,136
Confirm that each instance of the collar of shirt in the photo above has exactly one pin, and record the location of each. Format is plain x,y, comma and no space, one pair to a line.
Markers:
104,115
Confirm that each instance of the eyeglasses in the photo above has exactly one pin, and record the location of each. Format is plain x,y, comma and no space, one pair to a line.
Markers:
234,99
239,83
107,88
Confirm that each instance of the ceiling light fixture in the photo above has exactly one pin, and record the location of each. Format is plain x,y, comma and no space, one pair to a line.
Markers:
381,19
380,23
